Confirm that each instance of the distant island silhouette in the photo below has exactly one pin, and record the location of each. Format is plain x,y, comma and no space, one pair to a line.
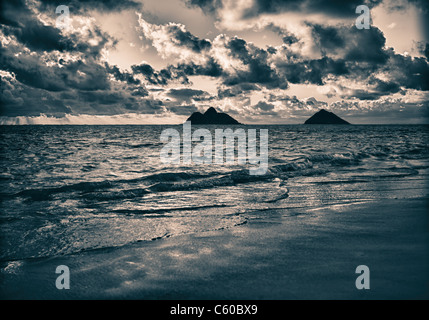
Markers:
325,117
211,116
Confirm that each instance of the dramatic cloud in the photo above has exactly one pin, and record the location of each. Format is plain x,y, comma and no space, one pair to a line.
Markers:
173,40
86,5
328,7
271,61
209,6
232,59
258,69
185,94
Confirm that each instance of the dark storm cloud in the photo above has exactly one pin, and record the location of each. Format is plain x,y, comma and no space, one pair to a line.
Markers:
171,38
170,73
327,37
184,38
149,73
287,37
355,55
17,99
335,8
233,91
384,87
183,109
259,70
264,108
33,71
18,20
185,94
139,92
369,50
238,48
256,65
178,72
86,5
101,97
364,94
122,75
55,74
410,72
208,6
312,71
346,52
403,71
11,9
350,43
209,68
40,37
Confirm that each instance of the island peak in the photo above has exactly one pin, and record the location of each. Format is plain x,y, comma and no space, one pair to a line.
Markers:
325,117
211,116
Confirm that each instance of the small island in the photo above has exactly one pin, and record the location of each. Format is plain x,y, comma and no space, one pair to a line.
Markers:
211,116
325,117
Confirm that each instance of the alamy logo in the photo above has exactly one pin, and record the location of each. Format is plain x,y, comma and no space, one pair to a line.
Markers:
63,280
63,20
224,147
362,282
363,21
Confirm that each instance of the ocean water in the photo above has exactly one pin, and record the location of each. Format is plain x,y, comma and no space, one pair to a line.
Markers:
68,189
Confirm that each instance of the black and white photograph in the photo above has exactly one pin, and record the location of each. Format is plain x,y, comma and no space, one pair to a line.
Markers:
214,150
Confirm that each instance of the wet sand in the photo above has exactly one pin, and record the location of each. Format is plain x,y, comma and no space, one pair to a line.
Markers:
312,254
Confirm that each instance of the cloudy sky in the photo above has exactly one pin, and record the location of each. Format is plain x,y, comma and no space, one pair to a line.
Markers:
261,61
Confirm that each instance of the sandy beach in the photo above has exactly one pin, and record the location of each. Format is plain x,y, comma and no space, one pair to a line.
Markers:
277,256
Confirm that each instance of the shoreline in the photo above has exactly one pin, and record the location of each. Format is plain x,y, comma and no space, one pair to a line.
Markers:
312,255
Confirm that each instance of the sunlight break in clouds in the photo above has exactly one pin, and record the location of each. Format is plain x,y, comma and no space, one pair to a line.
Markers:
86,119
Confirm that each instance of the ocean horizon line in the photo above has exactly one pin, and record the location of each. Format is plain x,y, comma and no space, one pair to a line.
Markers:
211,125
